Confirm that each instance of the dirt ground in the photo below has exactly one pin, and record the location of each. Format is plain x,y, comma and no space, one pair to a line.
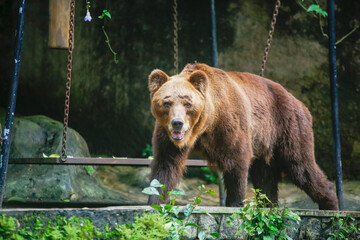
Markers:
289,195
129,183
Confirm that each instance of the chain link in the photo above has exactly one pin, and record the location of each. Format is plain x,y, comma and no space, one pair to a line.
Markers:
68,79
271,32
176,46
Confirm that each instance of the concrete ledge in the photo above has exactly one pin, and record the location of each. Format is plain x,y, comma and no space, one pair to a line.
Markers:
314,224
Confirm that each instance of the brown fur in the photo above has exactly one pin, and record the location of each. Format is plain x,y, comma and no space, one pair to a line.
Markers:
243,123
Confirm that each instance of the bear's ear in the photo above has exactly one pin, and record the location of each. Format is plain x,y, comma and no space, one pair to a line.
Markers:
156,79
199,80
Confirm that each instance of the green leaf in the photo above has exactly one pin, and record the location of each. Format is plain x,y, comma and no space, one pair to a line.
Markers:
267,238
54,155
156,183
89,169
206,169
16,199
168,207
215,235
151,191
201,235
198,200
177,193
175,210
316,8
193,225
188,210
157,208
211,192
108,14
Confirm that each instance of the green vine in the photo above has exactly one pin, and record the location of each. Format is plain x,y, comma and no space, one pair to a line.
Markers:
317,12
106,14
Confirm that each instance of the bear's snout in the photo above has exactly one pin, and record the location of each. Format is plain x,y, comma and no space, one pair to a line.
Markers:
177,124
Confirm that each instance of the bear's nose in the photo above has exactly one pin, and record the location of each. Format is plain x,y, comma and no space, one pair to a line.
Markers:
177,123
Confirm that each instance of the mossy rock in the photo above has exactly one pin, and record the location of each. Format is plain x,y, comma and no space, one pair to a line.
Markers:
34,136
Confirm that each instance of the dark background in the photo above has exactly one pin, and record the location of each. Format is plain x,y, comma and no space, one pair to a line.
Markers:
110,104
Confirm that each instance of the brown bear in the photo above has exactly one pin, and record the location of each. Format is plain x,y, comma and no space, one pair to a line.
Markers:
243,123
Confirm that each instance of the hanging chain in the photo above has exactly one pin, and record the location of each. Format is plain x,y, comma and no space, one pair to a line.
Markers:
68,79
176,46
271,32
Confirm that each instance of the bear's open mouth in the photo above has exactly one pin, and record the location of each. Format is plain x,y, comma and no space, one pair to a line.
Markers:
178,135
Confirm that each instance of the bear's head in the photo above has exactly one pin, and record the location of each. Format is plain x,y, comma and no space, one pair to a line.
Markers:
178,102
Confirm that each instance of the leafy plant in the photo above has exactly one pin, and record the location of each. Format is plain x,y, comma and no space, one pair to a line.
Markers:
62,228
106,14
260,222
178,226
51,155
344,228
148,226
211,175
147,151
7,227
316,11
90,170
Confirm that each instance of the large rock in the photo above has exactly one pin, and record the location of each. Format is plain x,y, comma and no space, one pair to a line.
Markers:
37,135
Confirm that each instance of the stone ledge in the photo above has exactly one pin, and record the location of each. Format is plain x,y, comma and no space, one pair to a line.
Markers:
314,224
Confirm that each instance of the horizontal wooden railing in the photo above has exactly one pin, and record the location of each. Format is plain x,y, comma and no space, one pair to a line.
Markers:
98,161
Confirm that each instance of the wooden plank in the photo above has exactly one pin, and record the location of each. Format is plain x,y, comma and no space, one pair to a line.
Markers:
98,161
59,17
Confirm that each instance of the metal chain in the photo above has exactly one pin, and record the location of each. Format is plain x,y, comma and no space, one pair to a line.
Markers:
271,32
176,46
68,79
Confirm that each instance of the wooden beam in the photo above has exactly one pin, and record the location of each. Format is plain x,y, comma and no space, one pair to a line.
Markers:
98,161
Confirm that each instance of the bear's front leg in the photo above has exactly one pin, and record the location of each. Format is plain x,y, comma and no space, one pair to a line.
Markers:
168,164
235,180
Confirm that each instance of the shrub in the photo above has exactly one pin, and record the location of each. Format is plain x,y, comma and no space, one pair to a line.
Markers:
259,222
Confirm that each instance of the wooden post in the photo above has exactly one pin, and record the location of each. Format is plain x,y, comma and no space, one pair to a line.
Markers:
59,17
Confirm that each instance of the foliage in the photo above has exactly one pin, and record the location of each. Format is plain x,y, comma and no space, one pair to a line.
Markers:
344,228
211,175
147,151
261,223
317,9
62,228
166,223
106,13
51,155
90,170
148,226
7,227
317,12
178,226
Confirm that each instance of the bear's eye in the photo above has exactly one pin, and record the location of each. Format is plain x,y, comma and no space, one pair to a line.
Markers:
187,105
167,105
